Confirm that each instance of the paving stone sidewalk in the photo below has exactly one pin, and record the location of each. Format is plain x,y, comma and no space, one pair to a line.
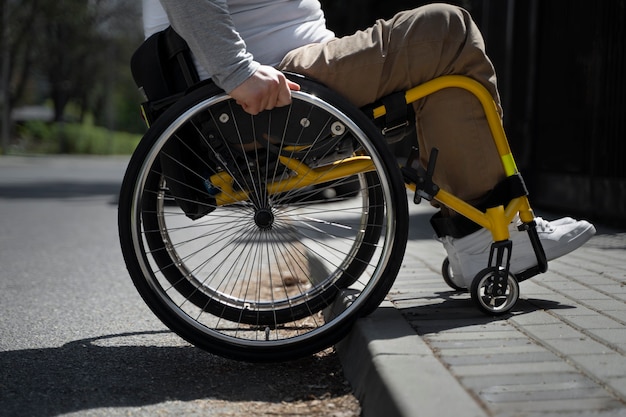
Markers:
561,352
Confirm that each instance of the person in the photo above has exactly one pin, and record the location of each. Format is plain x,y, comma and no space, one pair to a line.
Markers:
245,45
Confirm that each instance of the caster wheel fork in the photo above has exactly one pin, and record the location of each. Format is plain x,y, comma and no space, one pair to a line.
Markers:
495,291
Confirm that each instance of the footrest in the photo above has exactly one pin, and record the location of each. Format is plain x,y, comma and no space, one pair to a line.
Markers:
529,273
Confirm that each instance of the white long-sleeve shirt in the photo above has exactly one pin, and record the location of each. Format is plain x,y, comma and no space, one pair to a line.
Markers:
231,38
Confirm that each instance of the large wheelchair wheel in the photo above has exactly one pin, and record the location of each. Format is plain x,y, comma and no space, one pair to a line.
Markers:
265,237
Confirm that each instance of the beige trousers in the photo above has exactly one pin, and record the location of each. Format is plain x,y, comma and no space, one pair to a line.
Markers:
411,48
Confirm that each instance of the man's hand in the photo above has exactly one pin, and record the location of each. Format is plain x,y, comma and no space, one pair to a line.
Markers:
265,89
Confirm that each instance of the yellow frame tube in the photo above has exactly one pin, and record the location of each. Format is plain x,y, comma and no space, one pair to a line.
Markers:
495,219
482,94
304,177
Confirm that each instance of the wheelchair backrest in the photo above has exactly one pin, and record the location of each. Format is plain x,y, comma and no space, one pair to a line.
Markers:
163,70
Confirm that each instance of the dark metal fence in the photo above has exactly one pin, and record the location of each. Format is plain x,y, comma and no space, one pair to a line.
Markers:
561,68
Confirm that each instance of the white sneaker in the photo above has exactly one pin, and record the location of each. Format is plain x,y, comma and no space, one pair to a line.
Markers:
455,272
470,254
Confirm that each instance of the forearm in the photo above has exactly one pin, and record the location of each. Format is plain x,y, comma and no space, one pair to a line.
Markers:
207,27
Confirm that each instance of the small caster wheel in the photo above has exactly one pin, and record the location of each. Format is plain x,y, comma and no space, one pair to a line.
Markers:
494,291
447,274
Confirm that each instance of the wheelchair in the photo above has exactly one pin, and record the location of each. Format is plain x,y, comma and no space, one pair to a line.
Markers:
264,238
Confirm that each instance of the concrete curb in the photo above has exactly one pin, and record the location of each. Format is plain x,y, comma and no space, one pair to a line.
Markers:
394,373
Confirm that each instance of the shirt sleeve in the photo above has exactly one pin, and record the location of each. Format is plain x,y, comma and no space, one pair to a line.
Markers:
207,27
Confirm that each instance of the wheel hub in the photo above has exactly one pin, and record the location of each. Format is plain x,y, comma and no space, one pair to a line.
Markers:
264,218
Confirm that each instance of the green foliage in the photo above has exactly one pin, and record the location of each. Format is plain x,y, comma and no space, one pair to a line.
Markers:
127,110
74,138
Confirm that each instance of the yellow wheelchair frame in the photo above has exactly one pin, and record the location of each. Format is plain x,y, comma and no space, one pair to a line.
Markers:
495,219
248,277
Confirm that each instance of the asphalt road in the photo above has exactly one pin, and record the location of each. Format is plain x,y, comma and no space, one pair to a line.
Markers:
75,337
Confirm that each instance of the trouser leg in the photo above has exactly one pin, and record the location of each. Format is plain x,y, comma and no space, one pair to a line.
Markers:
411,48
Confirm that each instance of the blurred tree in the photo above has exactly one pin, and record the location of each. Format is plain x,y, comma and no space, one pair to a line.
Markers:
68,51
16,55
78,52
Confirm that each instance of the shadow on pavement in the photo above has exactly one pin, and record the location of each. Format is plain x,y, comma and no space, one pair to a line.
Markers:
456,310
85,374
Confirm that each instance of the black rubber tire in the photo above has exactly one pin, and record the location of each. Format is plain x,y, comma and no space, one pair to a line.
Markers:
446,272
